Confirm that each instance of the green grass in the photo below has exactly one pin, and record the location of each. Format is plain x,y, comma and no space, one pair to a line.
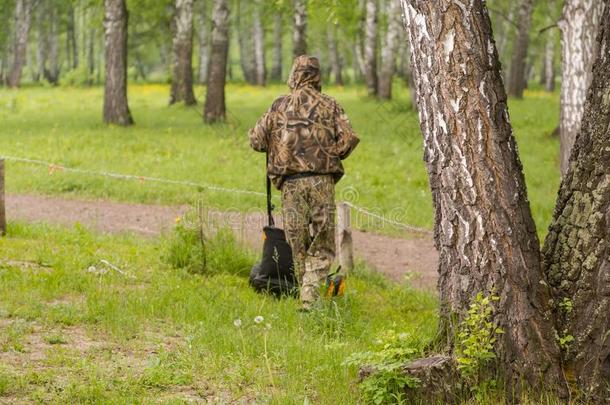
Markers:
73,330
385,174
72,333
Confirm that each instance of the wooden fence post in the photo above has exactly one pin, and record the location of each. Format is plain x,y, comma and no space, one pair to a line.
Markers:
344,237
2,210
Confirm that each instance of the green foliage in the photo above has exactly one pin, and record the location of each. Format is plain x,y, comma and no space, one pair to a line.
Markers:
6,19
565,341
55,339
387,382
78,77
190,247
5,382
474,346
566,305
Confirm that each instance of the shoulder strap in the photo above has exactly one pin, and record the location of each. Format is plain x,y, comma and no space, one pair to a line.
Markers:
270,206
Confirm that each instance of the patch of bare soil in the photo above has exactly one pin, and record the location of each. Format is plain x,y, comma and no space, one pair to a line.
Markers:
37,344
397,258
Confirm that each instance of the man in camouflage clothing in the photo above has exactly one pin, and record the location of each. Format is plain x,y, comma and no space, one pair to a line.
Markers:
306,135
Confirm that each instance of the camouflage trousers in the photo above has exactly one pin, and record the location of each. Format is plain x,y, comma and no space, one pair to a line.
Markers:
308,209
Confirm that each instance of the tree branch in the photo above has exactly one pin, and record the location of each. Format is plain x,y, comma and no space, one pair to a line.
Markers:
548,28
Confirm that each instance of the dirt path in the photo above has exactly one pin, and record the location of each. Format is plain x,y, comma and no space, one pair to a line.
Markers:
395,257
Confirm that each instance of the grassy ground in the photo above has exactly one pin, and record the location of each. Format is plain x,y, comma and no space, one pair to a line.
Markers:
385,174
74,331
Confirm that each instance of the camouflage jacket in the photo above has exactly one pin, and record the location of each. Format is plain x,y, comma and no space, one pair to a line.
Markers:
304,131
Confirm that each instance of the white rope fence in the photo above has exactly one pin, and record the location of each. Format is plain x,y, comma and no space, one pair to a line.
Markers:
53,167
389,221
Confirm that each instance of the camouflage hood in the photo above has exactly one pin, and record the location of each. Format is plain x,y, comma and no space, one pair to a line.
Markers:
305,73
305,131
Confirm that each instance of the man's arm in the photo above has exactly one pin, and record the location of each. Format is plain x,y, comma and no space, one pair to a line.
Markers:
259,135
346,138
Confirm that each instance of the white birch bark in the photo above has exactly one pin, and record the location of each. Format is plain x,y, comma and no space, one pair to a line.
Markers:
52,73
299,36
389,51
41,41
215,108
182,49
23,17
204,42
579,25
258,34
484,230
116,109
576,253
370,46
518,69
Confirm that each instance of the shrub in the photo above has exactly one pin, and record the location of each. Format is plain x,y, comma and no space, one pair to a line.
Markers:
78,77
475,343
190,248
387,382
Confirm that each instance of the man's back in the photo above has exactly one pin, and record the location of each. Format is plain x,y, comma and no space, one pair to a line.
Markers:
305,131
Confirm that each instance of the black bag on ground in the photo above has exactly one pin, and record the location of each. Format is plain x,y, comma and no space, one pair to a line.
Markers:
275,272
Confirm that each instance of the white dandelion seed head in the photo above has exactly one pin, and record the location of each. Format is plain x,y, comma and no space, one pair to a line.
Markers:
237,323
259,319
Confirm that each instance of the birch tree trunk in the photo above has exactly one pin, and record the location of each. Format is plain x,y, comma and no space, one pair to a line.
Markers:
388,53
579,25
6,15
299,35
358,61
549,62
51,73
72,45
23,17
204,33
276,63
517,74
91,55
182,78
484,230
116,110
42,34
246,52
370,47
215,109
547,73
258,34
333,54
577,249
